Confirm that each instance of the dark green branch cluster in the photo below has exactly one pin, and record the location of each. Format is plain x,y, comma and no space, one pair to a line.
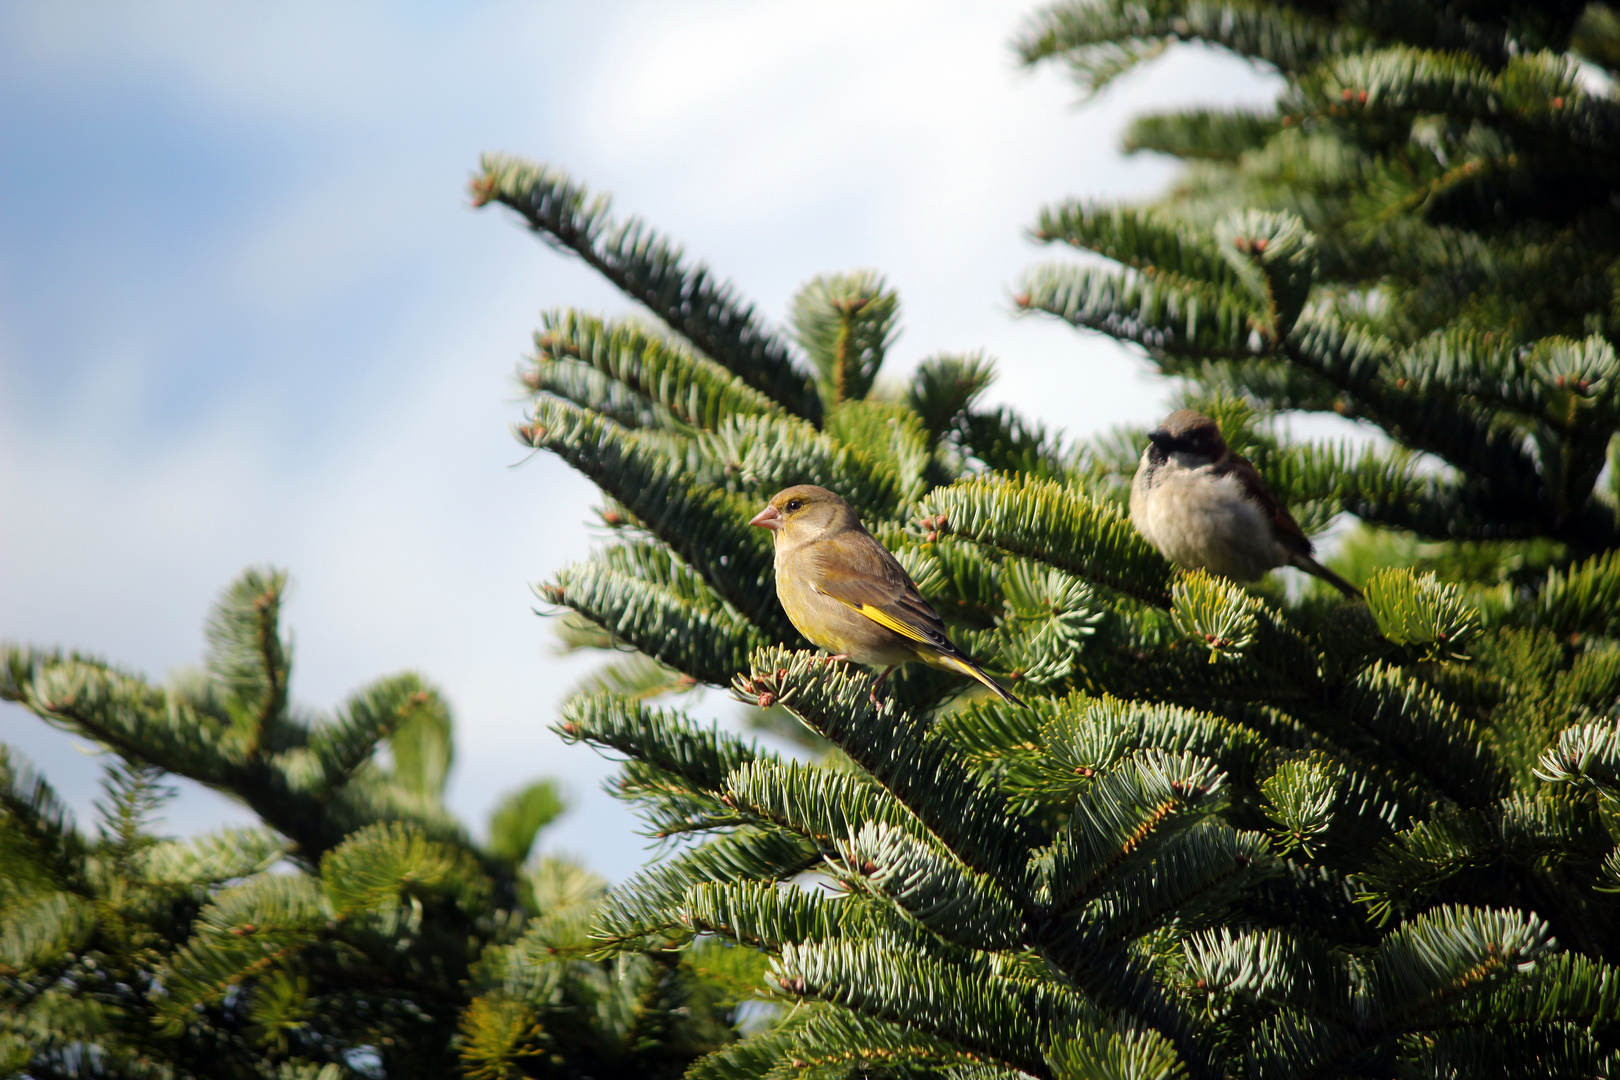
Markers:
359,929
1237,832
1421,235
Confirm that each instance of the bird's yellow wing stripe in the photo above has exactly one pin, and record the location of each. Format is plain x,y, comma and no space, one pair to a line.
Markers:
884,619
951,663
933,655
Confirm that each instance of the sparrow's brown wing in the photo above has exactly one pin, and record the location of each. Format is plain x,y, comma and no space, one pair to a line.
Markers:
1283,525
859,571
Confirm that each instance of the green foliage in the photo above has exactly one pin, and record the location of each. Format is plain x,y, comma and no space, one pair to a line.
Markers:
1055,524
1420,611
1239,831
636,376
1200,134
845,322
518,818
944,387
358,931
1299,798
647,267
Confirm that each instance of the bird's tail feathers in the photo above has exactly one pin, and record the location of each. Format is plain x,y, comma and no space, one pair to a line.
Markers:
973,671
1311,566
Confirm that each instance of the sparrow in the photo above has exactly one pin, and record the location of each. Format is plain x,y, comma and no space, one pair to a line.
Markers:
1206,508
846,593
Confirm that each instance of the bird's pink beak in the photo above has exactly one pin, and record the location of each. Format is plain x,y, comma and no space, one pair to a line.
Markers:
768,518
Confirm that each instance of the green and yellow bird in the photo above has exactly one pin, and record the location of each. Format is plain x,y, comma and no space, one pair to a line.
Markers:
846,593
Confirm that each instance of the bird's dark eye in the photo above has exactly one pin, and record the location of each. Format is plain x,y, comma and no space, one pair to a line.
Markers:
794,504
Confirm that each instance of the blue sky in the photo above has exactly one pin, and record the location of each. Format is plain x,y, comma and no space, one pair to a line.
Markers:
247,316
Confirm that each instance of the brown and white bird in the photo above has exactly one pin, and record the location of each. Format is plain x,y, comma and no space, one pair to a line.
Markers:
1206,508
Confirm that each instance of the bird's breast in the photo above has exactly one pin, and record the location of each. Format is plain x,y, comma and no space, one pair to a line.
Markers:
1203,521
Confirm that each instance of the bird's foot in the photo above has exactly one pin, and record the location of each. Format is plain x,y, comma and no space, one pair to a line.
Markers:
877,682
831,659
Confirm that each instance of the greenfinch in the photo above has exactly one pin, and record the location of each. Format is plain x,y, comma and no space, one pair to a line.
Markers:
846,593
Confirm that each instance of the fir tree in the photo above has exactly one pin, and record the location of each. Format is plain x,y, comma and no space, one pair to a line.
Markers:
1240,832
359,930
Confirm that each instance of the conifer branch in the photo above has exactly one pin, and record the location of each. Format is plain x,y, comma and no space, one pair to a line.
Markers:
769,916
1075,30
893,435
819,1037
926,776
964,908
1563,987
980,1015
667,739
1200,134
361,916
825,806
1171,314
244,652
1189,882
349,740
38,827
1120,820
1354,361
212,857
647,909
1446,955
695,390
845,323
39,935
706,641
1124,982
241,933
944,387
649,269
288,789
706,528
1513,836
1586,757
1528,96
1007,442
1047,522
1138,238
140,721
762,455
1584,599
1412,730
1087,736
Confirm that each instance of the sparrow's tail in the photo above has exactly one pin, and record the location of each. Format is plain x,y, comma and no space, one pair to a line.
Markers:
1311,566
973,671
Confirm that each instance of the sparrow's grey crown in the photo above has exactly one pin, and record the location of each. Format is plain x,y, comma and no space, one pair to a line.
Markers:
1188,433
